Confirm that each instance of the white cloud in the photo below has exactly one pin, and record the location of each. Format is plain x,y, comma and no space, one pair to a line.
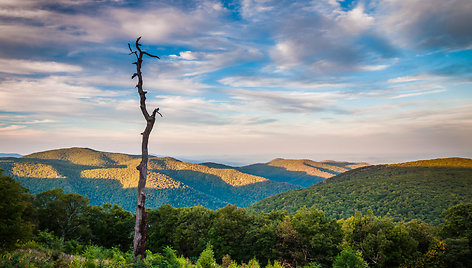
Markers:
15,66
288,102
185,55
319,38
205,62
168,23
414,94
436,24
355,20
404,79
258,81
23,12
159,23
175,85
374,67
43,121
51,95
252,9
11,128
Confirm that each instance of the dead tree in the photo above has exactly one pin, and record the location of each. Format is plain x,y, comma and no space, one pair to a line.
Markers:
139,241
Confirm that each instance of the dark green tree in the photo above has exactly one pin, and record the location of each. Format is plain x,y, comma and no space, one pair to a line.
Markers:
161,226
457,230
227,232
288,243
15,210
382,242
191,230
261,236
310,237
458,221
110,226
63,214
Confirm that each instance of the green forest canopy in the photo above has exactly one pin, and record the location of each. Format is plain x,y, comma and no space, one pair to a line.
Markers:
230,234
414,190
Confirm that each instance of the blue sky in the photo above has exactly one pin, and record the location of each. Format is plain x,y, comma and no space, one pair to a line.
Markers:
240,81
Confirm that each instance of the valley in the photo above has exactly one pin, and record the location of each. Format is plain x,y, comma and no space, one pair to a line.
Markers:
112,177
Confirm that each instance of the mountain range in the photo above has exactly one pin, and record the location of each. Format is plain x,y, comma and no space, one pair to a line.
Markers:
9,155
112,177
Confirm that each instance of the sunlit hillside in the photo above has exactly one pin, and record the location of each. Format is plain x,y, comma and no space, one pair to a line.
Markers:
113,177
453,162
34,170
83,156
301,172
421,189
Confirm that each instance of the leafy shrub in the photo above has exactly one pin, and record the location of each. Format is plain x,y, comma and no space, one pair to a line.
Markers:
348,258
313,265
49,240
207,259
253,264
275,265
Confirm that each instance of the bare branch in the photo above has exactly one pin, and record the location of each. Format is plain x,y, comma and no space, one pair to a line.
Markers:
138,47
156,111
151,55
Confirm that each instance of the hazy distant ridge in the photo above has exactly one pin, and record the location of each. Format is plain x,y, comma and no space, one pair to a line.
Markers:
303,172
10,155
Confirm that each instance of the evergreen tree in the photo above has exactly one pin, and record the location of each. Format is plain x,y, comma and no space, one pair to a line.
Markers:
207,258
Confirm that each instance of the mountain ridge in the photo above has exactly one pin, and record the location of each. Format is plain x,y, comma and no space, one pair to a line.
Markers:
13,155
418,189
105,176
101,176
303,172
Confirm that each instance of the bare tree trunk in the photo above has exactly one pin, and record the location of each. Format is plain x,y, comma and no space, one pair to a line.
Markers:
139,242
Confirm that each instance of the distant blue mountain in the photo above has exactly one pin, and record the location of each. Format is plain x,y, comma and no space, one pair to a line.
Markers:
10,155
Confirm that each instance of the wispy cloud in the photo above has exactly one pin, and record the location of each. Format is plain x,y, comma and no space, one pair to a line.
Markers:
273,82
404,79
52,96
14,66
11,128
414,94
438,24
289,102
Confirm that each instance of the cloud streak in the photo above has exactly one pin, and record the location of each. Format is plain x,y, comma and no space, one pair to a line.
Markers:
14,66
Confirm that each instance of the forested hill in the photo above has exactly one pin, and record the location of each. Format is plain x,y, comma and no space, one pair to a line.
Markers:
301,172
112,177
412,190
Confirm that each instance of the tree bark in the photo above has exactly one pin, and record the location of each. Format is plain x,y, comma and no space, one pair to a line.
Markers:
139,241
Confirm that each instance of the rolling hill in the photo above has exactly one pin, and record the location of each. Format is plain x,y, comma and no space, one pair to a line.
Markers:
412,190
112,177
302,172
